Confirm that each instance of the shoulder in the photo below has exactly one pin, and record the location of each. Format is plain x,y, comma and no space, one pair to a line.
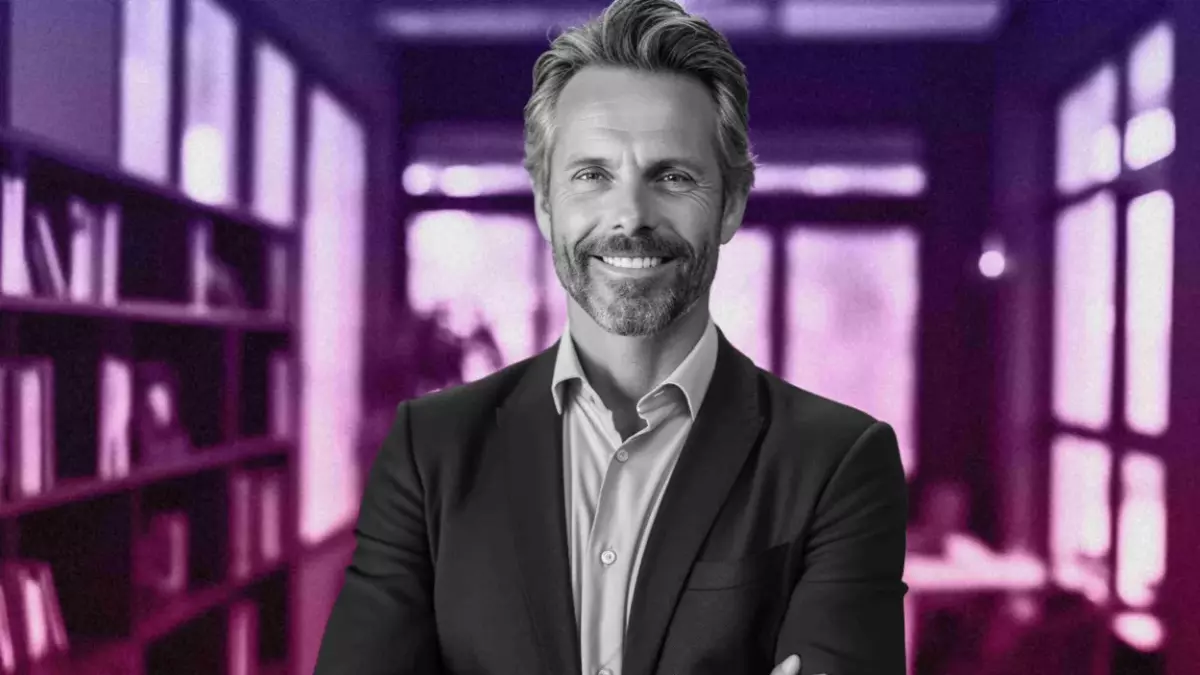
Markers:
814,429
461,407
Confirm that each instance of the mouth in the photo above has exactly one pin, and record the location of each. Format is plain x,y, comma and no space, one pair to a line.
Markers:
632,263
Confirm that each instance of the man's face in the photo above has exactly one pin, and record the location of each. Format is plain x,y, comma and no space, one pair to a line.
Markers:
634,211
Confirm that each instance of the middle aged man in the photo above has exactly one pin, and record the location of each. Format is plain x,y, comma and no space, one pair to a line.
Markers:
639,498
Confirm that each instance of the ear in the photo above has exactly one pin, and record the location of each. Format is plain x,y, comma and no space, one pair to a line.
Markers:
541,213
731,219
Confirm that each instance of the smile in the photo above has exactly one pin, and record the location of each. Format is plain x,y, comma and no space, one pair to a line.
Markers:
632,263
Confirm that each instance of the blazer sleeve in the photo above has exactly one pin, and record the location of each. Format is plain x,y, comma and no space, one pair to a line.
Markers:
846,613
382,622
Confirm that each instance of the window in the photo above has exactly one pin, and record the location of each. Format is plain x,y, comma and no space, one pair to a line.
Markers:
740,299
274,135
146,88
851,322
1114,229
210,104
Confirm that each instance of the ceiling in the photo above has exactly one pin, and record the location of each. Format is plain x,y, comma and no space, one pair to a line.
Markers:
800,20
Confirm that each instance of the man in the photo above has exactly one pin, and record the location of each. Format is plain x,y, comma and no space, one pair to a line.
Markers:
639,498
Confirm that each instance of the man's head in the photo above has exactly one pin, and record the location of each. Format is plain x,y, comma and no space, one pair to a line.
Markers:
636,141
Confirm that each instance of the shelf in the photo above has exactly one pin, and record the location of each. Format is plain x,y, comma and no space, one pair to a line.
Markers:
146,311
115,657
173,613
81,489
39,150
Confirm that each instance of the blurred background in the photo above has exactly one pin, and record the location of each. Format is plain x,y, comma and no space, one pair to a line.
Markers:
237,233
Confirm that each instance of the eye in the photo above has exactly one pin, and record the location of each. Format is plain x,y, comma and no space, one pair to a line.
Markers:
589,175
676,177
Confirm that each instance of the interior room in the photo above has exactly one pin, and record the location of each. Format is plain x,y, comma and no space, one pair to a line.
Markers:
238,234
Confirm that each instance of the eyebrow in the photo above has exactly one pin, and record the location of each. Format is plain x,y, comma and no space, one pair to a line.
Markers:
658,166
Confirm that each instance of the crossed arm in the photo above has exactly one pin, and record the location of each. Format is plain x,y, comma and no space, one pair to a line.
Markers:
846,614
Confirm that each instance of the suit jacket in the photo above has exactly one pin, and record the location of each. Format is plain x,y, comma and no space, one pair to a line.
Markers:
782,531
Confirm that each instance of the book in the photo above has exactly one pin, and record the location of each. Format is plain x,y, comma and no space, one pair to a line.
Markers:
241,524
31,465
110,254
271,500
45,263
281,395
243,638
199,255
14,269
34,616
85,235
115,417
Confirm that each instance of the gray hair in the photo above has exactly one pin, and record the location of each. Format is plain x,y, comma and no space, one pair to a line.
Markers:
653,36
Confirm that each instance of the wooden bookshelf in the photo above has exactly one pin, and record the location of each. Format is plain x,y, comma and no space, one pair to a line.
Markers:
88,527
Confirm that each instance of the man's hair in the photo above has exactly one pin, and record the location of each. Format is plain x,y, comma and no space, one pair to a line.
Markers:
653,36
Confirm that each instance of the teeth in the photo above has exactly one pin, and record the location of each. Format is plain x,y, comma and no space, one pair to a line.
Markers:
633,263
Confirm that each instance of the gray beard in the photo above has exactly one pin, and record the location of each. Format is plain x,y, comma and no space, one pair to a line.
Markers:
638,307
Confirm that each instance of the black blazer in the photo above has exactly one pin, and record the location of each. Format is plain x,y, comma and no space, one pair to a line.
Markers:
782,531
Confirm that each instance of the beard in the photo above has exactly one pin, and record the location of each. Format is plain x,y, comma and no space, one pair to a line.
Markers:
636,307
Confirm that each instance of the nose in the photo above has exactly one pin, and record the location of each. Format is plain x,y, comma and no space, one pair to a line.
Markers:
631,206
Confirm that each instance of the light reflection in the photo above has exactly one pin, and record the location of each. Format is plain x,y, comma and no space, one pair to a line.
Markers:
1079,515
1141,631
1150,137
1150,271
1142,529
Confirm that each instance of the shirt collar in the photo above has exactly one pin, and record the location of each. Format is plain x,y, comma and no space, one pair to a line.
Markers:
691,377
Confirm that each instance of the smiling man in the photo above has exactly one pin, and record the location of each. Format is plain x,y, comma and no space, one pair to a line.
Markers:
640,497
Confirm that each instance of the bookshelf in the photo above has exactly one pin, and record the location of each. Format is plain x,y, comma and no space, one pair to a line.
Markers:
149,418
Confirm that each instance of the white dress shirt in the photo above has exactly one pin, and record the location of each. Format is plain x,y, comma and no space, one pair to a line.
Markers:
613,488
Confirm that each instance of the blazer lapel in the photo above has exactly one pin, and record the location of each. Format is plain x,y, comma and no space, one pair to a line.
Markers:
710,462
529,433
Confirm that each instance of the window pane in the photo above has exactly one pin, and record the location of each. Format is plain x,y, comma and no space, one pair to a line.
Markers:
1142,529
331,315
841,179
1080,515
1152,70
741,293
274,135
852,300
1084,313
1088,141
1150,135
480,269
209,131
1148,324
145,88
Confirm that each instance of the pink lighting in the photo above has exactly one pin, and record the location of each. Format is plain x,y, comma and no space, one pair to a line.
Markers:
741,293
274,135
1142,529
145,88
1141,631
210,111
1084,311
1079,515
480,269
1149,138
1088,140
419,179
992,262
851,300
1150,267
1152,70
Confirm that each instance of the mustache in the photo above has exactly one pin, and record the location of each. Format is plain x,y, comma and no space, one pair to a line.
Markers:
639,247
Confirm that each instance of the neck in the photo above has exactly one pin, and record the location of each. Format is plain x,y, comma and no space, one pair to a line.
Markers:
624,369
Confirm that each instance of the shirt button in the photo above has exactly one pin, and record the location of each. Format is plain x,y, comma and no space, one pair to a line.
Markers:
622,456
608,557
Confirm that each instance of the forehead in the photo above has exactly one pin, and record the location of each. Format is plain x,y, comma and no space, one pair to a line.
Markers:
670,112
